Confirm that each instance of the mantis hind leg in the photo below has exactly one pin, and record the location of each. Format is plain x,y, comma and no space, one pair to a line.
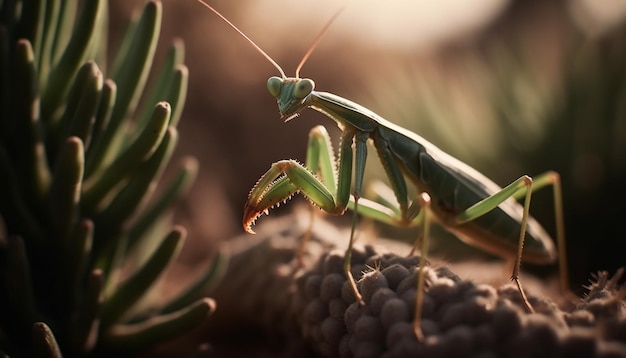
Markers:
423,201
520,187
523,188
553,179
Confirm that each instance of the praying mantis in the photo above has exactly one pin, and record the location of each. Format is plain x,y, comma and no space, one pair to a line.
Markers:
450,192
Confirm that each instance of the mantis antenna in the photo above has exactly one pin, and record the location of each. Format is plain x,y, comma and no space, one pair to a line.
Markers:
282,73
270,59
317,41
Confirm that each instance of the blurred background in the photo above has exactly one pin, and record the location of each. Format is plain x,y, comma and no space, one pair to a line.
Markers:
509,87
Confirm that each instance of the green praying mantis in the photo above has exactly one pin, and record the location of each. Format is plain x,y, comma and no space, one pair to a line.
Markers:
450,192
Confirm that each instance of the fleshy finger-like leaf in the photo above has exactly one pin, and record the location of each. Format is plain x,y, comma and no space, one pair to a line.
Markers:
44,343
66,189
80,109
73,57
136,285
27,142
95,151
100,186
178,187
130,71
140,186
165,327
175,56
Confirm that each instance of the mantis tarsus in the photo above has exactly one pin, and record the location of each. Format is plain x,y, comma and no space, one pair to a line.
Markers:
451,193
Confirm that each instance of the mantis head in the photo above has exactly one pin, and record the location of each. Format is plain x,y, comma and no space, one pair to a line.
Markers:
292,94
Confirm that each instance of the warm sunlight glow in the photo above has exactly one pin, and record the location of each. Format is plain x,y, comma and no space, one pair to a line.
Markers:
401,23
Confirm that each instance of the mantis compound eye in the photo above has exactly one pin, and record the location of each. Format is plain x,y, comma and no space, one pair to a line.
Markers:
274,85
304,87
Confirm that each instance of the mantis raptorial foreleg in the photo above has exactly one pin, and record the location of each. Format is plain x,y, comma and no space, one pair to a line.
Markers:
319,182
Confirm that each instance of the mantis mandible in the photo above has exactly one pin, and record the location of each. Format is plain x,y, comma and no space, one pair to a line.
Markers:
458,197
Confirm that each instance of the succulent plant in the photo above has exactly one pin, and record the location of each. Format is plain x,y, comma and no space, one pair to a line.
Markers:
82,238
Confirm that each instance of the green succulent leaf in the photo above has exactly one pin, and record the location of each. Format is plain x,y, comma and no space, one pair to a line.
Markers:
136,285
73,57
130,71
97,149
177,188
160,328
44,343
124,48
178,92
139,188
159,90
75,254
98,46
27,142
97,188
63,31
80,110
211,276
66,188
86,322
44,55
